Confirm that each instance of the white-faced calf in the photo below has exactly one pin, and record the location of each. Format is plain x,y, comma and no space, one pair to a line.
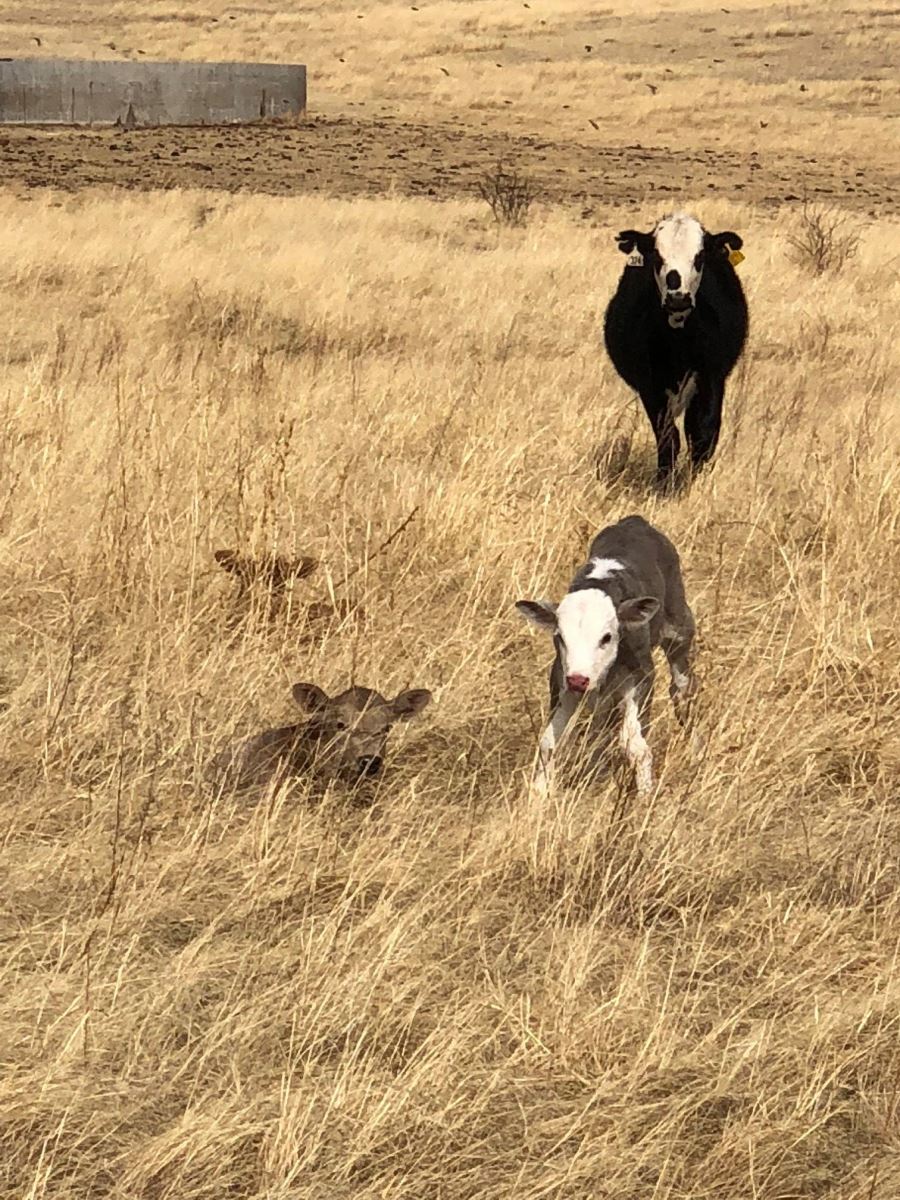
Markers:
343,736
628,598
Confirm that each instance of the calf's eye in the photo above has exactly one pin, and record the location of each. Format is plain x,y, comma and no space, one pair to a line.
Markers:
606,639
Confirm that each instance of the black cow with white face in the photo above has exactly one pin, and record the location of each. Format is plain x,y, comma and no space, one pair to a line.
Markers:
675,328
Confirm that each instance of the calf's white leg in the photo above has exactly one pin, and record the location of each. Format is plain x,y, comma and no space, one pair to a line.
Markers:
556,726
634,744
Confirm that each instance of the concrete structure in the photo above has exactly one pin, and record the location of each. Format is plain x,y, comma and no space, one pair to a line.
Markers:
53,91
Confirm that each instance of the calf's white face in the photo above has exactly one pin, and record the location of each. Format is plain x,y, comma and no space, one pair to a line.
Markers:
678,264
587,628
588,632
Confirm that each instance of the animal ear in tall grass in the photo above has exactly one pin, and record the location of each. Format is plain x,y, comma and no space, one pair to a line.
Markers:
309,697
409,704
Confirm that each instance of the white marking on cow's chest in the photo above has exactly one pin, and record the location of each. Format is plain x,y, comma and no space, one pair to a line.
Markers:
680,397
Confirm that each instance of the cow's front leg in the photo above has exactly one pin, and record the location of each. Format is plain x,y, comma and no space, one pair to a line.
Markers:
703,420
668,441
635,709
562,715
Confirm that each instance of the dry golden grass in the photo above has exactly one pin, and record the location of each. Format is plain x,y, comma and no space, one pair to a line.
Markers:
453,993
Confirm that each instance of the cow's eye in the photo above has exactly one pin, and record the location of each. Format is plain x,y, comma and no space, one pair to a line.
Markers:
698,261
606,639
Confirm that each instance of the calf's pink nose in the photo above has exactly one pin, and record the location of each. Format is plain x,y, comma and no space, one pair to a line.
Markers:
577,683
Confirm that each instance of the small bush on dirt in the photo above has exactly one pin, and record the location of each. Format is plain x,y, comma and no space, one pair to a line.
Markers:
508,194
822,240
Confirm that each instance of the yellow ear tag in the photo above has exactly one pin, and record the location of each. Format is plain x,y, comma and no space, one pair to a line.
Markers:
735,257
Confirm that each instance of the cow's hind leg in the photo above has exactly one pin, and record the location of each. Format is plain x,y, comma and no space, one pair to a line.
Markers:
703,420
677,642
635,712
668,440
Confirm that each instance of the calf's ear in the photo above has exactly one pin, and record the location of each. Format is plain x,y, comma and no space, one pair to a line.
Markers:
409,704
298,568
631,239
539,612
638,611
309,697
727,241
228,560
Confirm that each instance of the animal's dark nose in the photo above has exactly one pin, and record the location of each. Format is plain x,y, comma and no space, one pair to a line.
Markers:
370,765
577,683
673,281
677,302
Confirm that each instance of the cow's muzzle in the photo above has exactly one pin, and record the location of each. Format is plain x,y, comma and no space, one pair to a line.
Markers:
578,683
677,303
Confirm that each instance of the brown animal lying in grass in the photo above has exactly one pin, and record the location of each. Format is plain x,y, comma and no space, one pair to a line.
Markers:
343,737
273,571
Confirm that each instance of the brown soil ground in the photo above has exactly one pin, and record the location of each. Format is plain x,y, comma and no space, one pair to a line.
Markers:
352,155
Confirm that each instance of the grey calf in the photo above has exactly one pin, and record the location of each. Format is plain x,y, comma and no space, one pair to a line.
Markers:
628,598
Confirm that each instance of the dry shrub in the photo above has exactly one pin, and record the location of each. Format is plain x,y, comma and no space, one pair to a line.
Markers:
826,237
508,194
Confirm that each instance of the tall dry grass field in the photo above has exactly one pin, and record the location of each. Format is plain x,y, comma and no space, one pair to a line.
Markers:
454,992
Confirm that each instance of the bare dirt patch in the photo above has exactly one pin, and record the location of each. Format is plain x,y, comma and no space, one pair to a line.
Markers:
355,155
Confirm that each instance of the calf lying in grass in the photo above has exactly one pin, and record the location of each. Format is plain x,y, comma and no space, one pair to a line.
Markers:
273,576
274,571
343,737
628,598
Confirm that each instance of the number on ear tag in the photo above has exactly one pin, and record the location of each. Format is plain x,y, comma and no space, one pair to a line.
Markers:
635,259
735,257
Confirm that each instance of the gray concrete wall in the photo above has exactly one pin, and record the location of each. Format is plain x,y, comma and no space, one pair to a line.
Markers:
48,91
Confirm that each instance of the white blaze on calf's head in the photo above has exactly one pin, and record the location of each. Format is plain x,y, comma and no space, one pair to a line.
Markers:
678,256
588,630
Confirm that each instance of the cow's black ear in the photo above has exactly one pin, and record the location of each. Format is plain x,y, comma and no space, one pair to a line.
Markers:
727,241
630,240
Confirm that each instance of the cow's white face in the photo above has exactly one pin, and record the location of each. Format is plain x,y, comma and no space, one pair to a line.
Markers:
587,628
678,265
675,251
